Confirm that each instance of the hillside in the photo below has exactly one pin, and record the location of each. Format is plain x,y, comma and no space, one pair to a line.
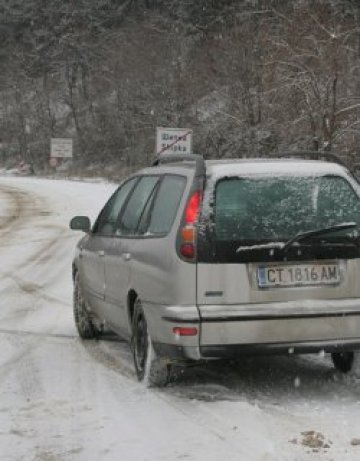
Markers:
249,77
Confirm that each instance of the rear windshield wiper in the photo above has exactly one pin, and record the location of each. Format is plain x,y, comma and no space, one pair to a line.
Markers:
313,233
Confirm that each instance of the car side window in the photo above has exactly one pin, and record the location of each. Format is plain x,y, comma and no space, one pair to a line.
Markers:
134,208
166,204
106,222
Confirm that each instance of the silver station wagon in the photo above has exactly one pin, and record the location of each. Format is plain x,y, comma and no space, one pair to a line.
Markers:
192,260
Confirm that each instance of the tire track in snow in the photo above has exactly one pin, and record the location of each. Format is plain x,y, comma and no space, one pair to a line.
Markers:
25,276
22,207
25,209
241,439
13,213
40,334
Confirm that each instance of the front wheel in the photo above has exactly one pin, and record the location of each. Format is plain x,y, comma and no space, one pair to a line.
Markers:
149,368
83,322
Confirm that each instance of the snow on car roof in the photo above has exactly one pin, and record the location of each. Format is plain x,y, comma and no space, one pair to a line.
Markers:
272,167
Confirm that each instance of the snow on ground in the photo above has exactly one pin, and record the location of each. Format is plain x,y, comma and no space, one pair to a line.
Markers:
64,399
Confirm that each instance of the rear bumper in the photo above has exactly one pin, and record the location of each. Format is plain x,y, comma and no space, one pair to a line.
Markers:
184,353
309,347
303,321
274,328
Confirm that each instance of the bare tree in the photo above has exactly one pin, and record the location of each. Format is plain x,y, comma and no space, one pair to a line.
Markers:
313,58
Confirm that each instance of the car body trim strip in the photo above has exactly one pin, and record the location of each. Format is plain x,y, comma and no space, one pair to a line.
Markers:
248,318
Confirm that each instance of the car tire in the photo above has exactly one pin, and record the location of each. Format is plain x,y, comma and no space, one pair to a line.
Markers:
343,361
83,322
150,369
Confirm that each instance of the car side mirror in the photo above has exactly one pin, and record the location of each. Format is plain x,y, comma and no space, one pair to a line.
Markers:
80,223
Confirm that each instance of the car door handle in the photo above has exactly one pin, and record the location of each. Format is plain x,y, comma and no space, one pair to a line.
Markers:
127,256
101,253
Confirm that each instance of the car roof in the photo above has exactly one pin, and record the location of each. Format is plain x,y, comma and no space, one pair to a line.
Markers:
272,167
185,168
236,167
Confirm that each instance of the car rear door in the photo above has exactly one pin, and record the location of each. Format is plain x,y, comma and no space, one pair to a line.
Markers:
118,260
92,272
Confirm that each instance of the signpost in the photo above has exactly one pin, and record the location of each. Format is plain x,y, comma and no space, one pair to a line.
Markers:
173,140
61,147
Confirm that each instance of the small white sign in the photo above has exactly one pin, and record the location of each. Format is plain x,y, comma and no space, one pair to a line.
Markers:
61,147
173,141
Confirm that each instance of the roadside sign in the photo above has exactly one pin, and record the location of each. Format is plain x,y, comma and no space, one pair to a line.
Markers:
61,147
173,141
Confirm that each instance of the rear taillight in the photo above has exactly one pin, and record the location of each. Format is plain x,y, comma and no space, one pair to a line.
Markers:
187,250
185,331
192,208
188,231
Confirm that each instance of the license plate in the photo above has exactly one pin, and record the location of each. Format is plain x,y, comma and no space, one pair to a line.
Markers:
298,275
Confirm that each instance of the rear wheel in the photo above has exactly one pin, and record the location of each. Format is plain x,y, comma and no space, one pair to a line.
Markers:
149,368
343,361
83,322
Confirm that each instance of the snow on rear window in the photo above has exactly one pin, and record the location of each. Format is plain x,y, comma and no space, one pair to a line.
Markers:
267,209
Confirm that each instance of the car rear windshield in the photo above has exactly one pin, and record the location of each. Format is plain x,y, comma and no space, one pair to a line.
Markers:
278,208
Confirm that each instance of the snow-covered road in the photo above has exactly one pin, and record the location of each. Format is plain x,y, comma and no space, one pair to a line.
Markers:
65,399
